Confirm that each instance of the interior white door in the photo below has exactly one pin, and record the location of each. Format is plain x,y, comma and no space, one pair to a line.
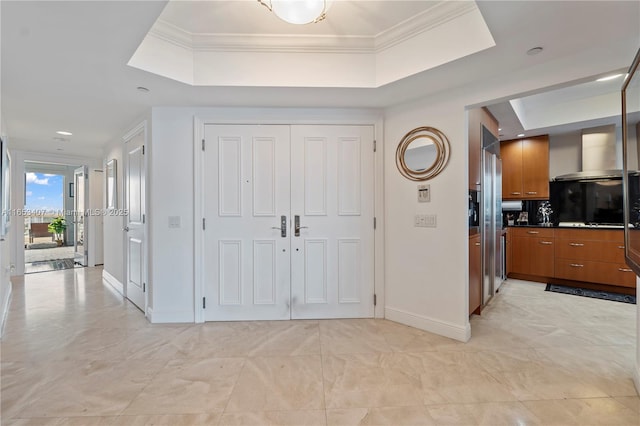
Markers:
134,228
246,259
332,193
80,191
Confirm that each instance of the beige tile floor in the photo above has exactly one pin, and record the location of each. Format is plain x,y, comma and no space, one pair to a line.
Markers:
75,353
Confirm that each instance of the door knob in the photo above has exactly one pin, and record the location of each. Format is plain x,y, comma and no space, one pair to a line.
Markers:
283,226
297,226
125,229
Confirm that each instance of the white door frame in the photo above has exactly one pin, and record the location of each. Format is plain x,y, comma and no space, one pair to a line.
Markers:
290,117
16,229
141,128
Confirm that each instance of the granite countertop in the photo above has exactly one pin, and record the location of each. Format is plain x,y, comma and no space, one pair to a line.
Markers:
568,226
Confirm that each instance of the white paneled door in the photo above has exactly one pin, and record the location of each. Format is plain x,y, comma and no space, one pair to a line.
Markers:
288,222
134,199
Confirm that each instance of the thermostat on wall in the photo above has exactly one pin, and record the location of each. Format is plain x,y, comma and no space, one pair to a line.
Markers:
424,193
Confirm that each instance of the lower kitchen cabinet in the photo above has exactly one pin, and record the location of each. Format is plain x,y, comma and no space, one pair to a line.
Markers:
475,274
594,256
532,251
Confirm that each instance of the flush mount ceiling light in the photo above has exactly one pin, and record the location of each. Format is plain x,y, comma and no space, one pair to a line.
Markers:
520,135
64,133
298,12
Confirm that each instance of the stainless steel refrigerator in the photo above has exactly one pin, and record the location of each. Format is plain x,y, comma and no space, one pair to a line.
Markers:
491,216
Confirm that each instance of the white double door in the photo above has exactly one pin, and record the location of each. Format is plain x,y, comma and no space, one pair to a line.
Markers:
288,222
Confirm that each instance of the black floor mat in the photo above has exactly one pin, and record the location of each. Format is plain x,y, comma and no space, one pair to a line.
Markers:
597,294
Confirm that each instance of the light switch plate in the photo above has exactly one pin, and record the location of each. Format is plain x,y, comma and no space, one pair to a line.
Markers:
174,221
430,220
424,193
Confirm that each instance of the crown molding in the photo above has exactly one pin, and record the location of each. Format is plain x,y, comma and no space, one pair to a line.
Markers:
283,43
439,14
172,34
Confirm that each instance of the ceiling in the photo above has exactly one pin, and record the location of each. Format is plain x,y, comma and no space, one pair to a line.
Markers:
64,64
562,110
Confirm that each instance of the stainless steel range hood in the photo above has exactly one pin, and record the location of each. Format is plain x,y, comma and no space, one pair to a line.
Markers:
592,175
600,159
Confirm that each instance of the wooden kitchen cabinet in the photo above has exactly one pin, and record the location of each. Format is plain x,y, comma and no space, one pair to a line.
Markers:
525,168
478,117
475,274
532,253
593,256
508,252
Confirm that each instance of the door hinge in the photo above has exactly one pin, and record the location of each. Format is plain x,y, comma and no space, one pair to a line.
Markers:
375,299
375,145
204,303
144,287
204,224
142,149
203,144
144,218
375,223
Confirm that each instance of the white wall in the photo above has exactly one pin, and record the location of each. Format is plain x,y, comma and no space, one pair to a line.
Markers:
426,268
113,239
5,263
96,222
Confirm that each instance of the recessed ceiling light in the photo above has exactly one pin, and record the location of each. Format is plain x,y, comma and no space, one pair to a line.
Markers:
64,133
534,51
609,77
499,129
520,135
142,89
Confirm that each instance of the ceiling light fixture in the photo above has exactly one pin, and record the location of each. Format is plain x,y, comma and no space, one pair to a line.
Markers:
298,12
610,77
520,135
64,133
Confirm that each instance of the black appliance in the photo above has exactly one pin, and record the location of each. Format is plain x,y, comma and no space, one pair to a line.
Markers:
591,202
474,208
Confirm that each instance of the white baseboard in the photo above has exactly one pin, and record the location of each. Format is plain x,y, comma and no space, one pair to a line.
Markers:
442,328
5,308
636,377
113,282
170,317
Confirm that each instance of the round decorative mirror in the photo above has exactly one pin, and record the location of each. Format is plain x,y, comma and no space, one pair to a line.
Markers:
422,153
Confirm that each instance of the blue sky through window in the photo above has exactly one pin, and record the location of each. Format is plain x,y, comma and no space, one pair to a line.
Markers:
44,192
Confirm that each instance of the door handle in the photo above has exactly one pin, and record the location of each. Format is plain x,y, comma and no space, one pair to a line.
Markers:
125,229
283,226
297,227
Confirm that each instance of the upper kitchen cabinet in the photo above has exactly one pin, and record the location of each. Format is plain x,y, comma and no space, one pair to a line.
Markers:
478,117
525,168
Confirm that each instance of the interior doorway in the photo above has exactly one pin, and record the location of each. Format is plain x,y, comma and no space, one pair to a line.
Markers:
49,220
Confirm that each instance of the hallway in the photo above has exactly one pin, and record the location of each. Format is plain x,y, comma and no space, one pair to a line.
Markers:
75,353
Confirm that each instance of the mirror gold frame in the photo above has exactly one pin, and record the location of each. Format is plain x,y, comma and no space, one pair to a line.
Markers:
434,136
